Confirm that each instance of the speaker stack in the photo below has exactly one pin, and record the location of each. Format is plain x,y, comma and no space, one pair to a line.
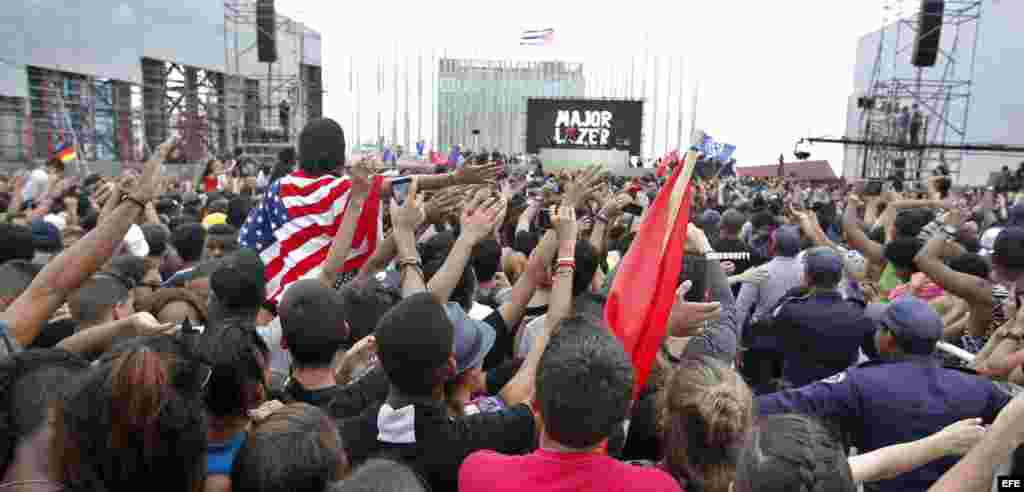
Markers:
266,31
929,31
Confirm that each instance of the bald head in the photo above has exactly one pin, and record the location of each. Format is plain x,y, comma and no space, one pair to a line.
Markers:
313,322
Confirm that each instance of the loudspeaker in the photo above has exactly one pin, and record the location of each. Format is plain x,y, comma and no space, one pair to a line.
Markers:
929,31
266,31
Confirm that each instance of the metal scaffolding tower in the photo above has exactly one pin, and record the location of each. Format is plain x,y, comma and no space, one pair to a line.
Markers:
940,94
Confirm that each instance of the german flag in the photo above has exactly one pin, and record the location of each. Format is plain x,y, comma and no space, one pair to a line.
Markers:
67,154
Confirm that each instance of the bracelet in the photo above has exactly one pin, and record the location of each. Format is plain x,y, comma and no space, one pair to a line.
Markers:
565,263
562,270
129,198
566,258
410,261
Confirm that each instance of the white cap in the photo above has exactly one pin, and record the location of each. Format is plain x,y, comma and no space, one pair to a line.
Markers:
135,242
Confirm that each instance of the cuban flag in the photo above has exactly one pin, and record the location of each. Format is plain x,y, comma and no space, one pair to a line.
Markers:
537,37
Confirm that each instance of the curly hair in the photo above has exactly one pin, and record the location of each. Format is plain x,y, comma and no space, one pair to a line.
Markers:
705,413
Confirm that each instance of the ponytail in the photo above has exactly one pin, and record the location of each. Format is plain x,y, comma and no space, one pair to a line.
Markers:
137,384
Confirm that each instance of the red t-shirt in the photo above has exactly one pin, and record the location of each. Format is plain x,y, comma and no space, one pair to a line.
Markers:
487,471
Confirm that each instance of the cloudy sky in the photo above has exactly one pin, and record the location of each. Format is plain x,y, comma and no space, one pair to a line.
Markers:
769,72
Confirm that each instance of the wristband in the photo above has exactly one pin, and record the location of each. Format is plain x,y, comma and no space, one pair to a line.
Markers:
566,258
129,198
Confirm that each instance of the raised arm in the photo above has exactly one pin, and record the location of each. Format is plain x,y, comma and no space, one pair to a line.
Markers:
404,221
520,388
930,260
542,256
361,174
477,223
469,174
871,250
892,461
975,471
65,273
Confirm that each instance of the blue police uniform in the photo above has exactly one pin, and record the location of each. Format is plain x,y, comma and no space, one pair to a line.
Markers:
819,335
881,403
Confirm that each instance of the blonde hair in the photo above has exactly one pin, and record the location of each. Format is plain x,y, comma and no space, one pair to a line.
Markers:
705,412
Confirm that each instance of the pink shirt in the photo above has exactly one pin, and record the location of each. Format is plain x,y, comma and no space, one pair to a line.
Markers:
487,471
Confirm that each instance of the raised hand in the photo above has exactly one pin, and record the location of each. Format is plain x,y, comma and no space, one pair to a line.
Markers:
563,222
408,216
689,318
584,185
477,173
478,222
442,206
362,173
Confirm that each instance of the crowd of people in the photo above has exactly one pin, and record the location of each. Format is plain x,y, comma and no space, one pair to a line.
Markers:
329,327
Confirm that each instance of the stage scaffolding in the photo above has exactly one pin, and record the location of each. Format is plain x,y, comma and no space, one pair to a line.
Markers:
213,110
254,111
942,94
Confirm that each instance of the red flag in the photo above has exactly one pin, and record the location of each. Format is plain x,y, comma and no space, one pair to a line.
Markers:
643,292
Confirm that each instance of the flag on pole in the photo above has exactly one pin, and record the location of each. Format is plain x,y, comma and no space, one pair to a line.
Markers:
644,289
67,153
537,37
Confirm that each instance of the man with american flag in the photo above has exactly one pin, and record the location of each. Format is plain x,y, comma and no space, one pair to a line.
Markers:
293,227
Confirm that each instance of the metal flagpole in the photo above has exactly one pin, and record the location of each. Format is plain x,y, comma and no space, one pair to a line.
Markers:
419,97
693,113
654,109
408,142
351,101
394,97
377,139
632,74
682,83
359,119
668,103
643,82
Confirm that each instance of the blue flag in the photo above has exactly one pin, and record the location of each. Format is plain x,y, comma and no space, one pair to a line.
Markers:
454,156
726,153
419,148
388,155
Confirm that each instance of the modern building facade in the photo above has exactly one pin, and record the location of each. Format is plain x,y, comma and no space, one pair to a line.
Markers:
489,96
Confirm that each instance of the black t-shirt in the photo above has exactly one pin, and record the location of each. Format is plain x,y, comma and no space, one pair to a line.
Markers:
504,341
726,246
441,443
343,402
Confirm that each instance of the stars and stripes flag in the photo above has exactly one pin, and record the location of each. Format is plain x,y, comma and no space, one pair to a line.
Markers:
294,226
537,37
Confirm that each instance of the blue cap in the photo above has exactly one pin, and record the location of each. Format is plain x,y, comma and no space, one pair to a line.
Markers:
46,236
473,338
787,241
1015,215
915,323
823,260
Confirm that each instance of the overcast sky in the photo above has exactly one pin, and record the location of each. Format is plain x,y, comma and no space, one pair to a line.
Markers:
769,72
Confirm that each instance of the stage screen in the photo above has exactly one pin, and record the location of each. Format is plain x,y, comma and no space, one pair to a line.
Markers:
592,124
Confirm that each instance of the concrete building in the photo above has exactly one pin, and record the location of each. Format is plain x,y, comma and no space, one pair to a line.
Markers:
490,96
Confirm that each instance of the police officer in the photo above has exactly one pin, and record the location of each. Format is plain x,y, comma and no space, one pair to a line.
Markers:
904,396
819,332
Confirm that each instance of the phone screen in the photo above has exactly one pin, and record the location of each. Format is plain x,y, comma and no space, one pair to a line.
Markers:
400,188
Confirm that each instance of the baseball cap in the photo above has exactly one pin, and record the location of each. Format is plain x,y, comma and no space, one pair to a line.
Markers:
473,338
911,320
45,236
988,240
215,219
787,241
710,217
1008,248
135,242
823,260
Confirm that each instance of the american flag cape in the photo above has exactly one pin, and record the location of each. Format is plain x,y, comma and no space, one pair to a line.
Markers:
294,226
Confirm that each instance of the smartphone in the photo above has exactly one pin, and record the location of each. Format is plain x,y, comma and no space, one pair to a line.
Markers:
633,209
400,188
544,219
